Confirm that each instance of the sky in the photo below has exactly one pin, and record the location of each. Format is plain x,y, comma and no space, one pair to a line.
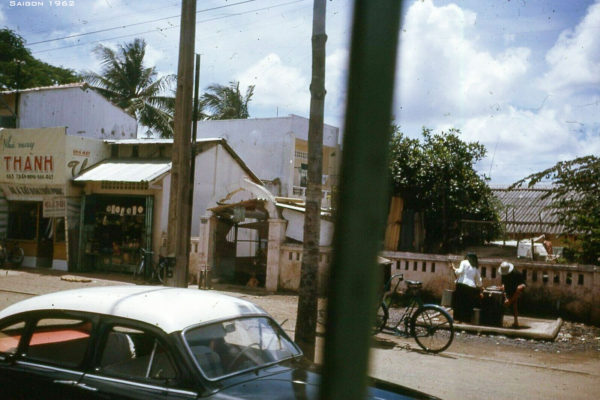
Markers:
522,77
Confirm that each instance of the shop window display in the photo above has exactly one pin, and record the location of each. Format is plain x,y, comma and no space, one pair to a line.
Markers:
116,233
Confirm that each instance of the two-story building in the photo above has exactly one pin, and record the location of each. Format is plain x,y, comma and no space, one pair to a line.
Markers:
276,149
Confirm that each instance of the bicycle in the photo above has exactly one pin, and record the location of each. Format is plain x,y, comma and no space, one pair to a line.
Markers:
11,252
157,271
430,325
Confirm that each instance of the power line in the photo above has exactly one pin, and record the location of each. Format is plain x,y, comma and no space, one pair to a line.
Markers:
167,28
137,23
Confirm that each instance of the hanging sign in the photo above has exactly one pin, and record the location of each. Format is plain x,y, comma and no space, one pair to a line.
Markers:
54,207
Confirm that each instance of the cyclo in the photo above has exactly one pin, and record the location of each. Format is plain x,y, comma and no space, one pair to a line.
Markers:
429,324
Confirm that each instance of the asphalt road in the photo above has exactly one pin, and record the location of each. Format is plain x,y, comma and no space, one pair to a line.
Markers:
469,369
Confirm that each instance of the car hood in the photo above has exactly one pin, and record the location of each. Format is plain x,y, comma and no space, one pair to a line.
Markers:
302,383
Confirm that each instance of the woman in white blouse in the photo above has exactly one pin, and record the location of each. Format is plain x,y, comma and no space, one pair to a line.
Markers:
468,288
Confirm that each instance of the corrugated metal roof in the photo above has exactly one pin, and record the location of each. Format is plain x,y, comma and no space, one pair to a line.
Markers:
157,141
526,211
125,171
39,88
220,141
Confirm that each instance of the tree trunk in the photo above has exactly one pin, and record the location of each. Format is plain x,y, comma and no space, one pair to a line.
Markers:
306,323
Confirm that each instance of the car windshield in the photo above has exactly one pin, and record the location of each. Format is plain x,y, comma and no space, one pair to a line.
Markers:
225,348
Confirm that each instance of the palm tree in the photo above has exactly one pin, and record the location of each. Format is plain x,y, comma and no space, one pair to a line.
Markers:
226,102
126,82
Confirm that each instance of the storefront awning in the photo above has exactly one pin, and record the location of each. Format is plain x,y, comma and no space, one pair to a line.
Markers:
125,171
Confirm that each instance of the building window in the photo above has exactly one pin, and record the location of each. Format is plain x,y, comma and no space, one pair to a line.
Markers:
545,277
290,255
580,279
406,265
304,175
569,279
483,272
298,256
22,220
414,266
424,266
432,267
534,276
493,273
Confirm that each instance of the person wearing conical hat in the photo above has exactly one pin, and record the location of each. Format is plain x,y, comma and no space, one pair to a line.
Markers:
513,284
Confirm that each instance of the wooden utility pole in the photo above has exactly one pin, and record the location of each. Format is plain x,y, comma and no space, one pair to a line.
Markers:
180,207
306,322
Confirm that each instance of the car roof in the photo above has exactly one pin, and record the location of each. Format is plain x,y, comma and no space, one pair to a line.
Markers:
171,309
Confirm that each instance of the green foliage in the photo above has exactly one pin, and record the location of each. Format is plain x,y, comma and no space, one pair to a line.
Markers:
16,62
436,176
226,102
126,82
576,201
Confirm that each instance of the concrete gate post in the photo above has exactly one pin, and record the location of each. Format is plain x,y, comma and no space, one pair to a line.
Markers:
206,248
276,238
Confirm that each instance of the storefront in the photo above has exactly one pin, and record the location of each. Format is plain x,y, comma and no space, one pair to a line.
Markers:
119,217
115,229
39,204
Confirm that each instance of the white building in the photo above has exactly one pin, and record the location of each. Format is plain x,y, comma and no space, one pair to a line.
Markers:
80,109
276,149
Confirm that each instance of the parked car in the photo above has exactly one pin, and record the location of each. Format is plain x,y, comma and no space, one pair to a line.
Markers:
144,342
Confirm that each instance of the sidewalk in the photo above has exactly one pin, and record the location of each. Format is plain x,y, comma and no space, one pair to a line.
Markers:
530,328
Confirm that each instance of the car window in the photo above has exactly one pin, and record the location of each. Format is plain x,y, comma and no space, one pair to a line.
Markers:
10,335
135,354
60,341
225,348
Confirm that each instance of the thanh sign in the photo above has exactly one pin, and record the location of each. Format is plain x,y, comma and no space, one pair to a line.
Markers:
32,156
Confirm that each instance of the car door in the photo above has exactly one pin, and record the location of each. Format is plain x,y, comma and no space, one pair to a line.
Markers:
51,356
133,362
11,374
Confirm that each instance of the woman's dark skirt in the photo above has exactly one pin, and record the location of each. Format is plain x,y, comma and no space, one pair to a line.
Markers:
465,298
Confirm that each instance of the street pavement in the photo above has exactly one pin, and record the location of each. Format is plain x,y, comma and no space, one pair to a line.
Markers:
467,370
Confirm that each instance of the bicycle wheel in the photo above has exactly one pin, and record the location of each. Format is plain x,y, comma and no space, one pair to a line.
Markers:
432,328
380,319
17,256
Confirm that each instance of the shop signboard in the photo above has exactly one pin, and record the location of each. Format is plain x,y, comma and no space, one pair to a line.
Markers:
23,192
54,207
32,157
82,153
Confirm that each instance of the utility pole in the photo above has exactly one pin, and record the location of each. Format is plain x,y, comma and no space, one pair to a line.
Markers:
306,322
180,209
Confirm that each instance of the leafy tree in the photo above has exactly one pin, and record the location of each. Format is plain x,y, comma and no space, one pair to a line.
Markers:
576,201
17,63
226,102
436,176
129,84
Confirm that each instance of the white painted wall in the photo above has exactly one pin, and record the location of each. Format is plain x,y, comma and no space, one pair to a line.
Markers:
217,174
266,144
295,227
83,111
